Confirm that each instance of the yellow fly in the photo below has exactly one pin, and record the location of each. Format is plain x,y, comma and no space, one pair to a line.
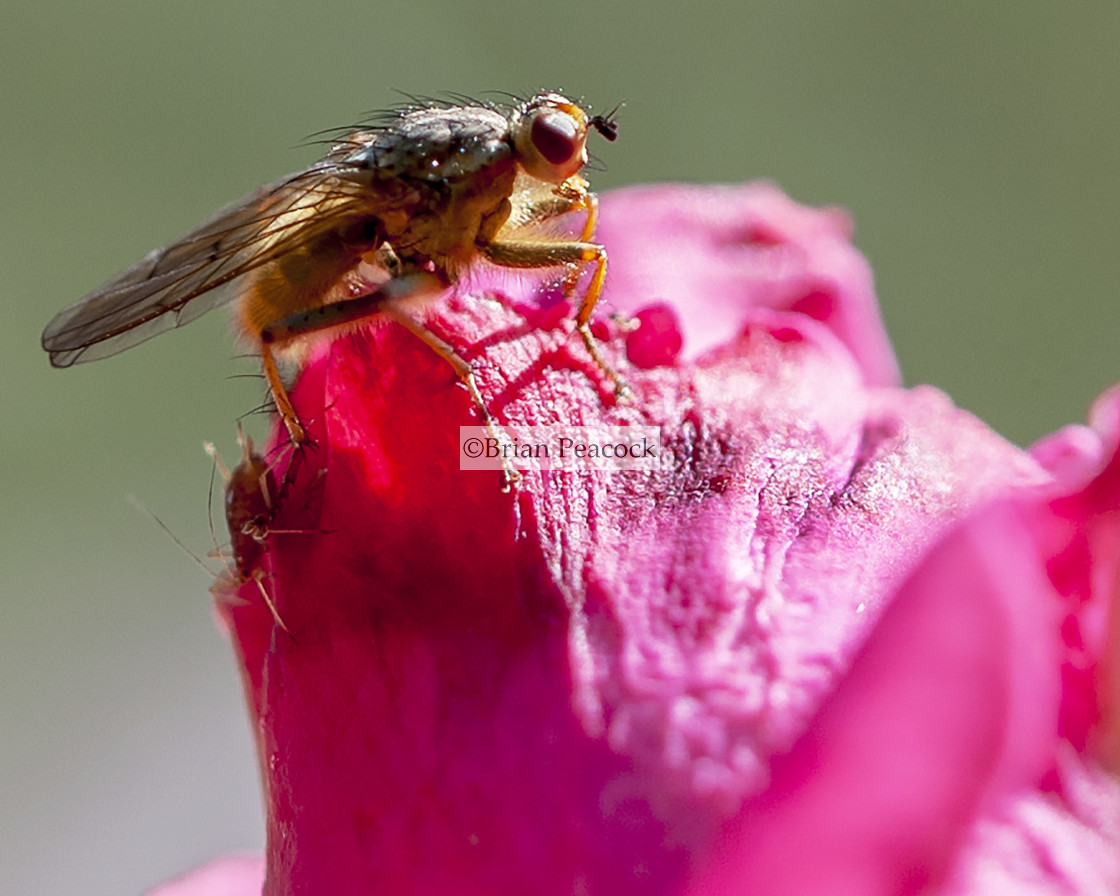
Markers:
394,212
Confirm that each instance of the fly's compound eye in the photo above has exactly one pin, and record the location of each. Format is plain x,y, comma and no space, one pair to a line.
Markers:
550,137
556,136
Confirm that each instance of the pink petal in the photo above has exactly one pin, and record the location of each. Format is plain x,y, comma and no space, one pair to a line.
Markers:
841,624
1072,455
235,875
951,705
740,248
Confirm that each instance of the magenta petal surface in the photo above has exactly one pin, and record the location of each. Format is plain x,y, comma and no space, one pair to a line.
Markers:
717,253
830,626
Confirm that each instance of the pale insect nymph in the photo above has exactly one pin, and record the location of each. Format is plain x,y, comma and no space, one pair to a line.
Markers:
394,212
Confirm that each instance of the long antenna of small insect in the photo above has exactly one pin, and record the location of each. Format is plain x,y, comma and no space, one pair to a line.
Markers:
206,446
139,505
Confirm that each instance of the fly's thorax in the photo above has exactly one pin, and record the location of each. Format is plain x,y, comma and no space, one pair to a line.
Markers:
437,144
455,218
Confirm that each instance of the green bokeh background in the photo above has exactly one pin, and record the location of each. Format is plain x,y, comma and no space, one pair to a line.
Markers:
974,143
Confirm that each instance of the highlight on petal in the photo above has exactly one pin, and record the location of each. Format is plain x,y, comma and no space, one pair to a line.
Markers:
845,640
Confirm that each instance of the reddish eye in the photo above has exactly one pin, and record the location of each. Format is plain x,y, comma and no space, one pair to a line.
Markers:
549,135
556,136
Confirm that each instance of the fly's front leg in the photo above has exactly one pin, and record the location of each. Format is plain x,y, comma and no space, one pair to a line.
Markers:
570,196
589,202
580,198
533,254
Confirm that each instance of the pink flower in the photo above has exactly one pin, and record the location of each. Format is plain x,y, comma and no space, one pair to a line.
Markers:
850,641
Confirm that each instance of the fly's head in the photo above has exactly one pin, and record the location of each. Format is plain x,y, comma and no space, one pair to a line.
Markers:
550,136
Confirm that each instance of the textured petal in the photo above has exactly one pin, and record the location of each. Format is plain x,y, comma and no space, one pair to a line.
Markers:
845,620
950,706
1039,843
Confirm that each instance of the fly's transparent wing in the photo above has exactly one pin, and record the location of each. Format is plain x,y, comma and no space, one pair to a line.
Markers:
180,282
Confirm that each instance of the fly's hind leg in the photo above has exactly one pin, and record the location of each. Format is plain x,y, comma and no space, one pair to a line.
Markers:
541,254
279,393
388,302
325,317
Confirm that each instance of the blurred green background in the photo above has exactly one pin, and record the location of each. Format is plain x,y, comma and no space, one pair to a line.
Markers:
974,143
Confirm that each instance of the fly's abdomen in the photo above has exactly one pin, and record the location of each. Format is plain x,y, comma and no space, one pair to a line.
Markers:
298,281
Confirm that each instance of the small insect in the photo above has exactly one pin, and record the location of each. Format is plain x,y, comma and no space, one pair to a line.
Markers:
251,503
395,212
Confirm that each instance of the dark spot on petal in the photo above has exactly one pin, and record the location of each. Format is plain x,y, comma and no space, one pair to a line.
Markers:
757,234
657,341
787,334
819,304
719,484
